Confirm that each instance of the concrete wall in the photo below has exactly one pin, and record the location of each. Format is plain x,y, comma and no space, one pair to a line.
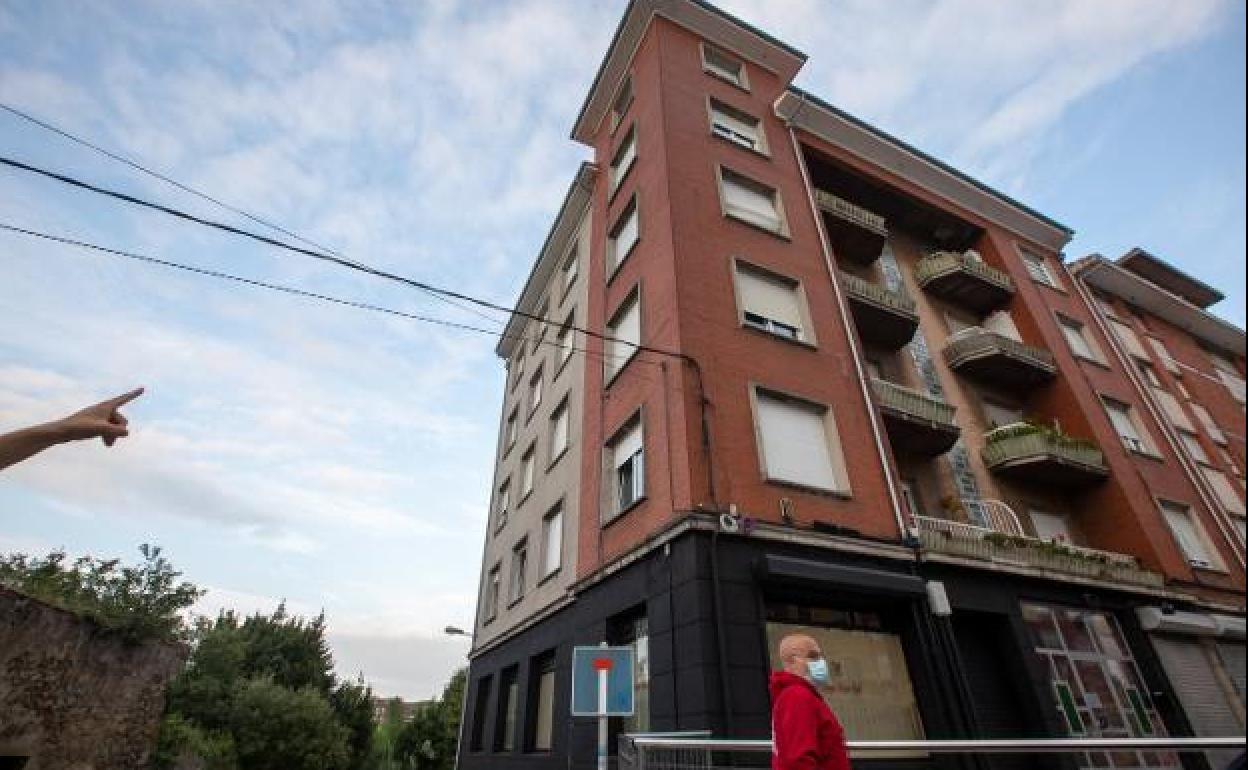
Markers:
73,696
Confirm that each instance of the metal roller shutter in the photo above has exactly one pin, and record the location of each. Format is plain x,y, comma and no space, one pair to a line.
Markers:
1232,654
1204,700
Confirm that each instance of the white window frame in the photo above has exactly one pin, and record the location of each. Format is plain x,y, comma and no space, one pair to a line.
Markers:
493,589
1072,330
622,500
1193,542
1037,266
726,176
565,340
617,172
1207,422
724,119
802,332
539,327
511,429
1140,442
502,505
1191,442
552,553
837,469
528,472
622,101
615,360
723,68
570,268
536,389
560,440
517,576
616,257
1163,352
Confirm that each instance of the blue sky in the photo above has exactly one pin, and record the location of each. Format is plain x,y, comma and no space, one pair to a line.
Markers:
342,460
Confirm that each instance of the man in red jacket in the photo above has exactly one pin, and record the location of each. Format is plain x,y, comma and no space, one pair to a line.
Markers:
805,733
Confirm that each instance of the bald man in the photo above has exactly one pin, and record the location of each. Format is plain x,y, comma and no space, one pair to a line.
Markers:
805,733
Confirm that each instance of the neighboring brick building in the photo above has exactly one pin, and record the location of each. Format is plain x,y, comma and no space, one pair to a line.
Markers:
866,382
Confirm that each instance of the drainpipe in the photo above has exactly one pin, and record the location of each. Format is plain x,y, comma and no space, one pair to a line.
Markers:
890,482
1215,507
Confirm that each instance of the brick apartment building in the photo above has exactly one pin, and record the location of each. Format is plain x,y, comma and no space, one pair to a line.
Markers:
871,401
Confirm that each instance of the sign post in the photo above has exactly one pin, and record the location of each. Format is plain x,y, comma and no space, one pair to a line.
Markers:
602,687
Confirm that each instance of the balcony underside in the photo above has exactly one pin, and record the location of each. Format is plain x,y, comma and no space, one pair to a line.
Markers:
1050,468
969,291
912,434
855,234
880,324
997,365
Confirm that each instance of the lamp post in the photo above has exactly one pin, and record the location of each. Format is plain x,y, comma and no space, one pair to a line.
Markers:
463,705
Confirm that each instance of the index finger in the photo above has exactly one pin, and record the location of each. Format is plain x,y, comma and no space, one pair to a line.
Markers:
124,398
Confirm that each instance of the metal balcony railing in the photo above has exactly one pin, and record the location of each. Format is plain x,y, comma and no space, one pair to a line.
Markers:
1011,444
977,342
857,288
850,212
942,263
910,402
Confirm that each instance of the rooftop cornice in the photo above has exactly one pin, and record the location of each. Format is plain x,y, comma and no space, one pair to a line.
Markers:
701,18
575,202
1112,278
809,113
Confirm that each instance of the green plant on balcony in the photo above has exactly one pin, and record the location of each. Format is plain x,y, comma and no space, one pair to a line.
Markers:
1050,433
1045,547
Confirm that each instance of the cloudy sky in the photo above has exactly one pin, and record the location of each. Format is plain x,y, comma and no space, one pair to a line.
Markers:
341,460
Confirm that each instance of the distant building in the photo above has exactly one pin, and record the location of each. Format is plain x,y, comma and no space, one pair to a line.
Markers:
385,709
870,401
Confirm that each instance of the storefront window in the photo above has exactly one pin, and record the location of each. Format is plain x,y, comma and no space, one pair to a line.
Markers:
869,688
1096,687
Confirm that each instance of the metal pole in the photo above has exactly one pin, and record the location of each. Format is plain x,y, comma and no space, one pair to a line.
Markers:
602,716
989,746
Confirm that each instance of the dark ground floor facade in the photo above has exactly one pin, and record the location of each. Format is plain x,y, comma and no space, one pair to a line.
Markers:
1016,657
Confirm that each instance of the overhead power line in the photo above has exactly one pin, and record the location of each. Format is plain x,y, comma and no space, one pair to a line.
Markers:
342,262
205,196
294,290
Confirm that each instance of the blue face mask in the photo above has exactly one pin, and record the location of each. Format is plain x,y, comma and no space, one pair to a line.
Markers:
818,670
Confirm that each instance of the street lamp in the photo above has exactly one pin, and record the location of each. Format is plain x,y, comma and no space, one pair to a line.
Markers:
456,631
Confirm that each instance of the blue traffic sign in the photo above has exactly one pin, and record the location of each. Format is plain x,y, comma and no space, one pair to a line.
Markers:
596,667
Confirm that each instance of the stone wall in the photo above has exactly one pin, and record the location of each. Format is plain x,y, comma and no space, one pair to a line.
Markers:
74,696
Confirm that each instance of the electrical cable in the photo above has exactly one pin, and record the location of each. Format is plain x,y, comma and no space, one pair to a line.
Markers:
350,264
300,292
205,196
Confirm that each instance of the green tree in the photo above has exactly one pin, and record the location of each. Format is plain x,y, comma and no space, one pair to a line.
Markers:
277,728
429,740
141,602
352,703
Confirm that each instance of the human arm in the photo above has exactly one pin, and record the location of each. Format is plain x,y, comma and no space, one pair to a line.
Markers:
795,724
102,420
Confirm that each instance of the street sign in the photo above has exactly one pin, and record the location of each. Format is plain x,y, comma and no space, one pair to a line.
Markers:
602,681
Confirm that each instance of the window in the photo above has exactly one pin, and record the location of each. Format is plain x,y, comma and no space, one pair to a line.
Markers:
538,328
909,496
1163,353
721,65
480,704
1001,322
1052,527
1126,335
1173,411
493,586
1223,490
624,331
1206,419
770,303
512,427
625,154
1229,460
624,236
628,466
751,202
874,370
869,687
1179,386
528,466
542,695
1187,533
569,268
1077,337
1231,379
1191,442
517,365
1149,374
535,391
1124,420
519,568
564,339
508,703
1038,268
633,630
1104,303
502,505
799,443
623,100
736,126
559,430
1000,415
552,542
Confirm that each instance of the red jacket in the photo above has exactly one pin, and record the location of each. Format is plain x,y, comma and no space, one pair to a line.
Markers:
805,733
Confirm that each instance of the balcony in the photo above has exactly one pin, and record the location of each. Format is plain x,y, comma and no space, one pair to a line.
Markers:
1042,455
997,359
855,234
916,423
883,317
1014,550
965,280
